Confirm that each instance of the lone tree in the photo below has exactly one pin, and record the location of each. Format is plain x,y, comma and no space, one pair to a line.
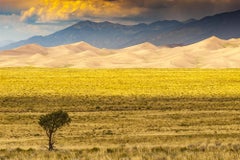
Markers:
51,123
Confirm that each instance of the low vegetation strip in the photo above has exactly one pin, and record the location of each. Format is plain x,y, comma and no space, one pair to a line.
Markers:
18,82
36,89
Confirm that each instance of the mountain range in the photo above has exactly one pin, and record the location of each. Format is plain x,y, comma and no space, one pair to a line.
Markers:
160,33
210,53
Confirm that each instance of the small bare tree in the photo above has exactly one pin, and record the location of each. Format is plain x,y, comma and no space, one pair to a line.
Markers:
51,123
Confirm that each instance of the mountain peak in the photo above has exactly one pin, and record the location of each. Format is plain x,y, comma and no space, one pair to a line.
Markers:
78,47
82,44
189,21
145,46
212,43
164,21
148,45
214,39
106,22
116,36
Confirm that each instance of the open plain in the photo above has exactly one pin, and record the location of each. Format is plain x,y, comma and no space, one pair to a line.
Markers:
152,114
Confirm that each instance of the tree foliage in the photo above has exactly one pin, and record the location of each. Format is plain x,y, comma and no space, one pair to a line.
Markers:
51,123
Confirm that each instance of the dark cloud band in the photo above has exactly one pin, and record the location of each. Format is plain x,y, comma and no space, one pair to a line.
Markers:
132,10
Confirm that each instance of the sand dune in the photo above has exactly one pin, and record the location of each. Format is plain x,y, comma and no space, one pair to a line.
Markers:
210,53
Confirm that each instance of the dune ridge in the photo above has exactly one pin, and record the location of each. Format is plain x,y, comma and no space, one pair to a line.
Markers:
209,53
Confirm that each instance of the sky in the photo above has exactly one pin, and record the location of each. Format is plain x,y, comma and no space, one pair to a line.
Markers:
20,19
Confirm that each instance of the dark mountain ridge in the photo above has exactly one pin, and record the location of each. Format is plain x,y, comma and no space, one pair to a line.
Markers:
169,32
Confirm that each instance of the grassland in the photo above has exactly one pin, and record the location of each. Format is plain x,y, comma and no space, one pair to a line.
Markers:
152,114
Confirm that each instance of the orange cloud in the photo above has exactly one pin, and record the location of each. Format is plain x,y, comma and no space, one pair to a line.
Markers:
16,4
50,10
119,10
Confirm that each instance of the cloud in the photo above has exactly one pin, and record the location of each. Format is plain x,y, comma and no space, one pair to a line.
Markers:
11,28
16,6
42,11
54,10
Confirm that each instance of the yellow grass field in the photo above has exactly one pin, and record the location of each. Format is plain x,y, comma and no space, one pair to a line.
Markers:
122,114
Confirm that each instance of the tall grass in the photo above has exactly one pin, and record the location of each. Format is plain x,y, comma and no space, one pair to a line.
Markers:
155,114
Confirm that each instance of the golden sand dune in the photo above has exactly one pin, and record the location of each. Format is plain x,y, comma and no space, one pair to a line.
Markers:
210,53
26,50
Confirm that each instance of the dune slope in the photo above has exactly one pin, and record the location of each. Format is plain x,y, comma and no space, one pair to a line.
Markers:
210,53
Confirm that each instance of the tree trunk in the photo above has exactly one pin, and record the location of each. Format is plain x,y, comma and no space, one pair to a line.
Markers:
50,142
